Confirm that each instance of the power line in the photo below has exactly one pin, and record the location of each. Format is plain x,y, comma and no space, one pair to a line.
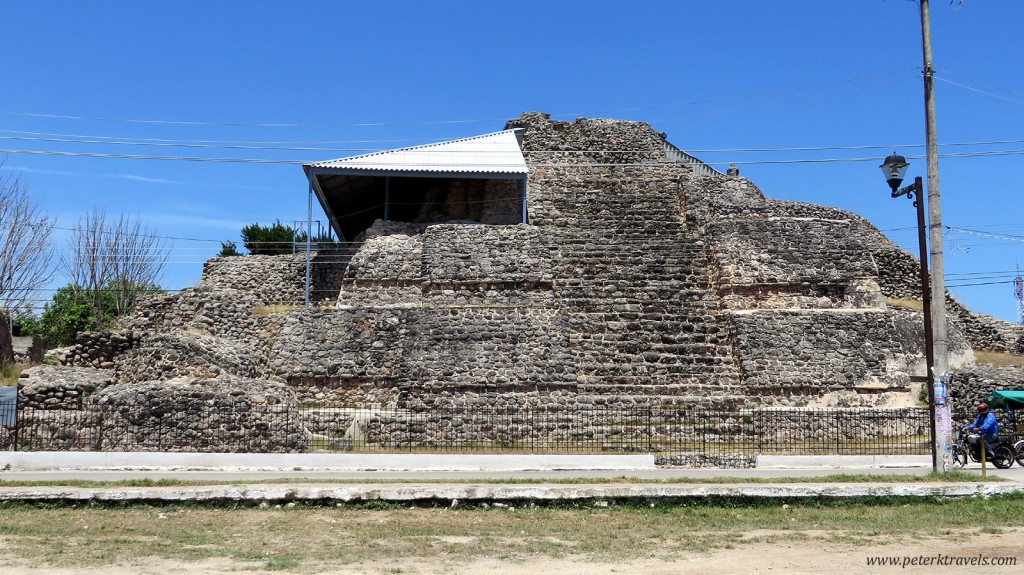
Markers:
973,89
427,164
181,144
147,157
279,146
946,72
435,122
1010,238
194,141
247,124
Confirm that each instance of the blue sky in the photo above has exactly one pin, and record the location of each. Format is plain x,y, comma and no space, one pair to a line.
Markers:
349,77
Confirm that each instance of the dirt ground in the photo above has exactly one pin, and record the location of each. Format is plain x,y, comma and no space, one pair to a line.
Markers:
809,556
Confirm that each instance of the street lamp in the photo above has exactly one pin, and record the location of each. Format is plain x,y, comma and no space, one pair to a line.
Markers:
894,168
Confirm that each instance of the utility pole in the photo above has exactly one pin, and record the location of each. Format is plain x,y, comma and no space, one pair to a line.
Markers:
944,425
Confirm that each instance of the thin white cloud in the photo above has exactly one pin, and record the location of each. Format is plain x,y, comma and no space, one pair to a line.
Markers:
135,178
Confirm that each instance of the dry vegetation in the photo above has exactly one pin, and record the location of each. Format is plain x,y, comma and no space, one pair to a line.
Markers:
9,374
914,304
999,359
391,539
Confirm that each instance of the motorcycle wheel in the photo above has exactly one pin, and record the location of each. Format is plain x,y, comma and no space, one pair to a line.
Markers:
1003,457
1018,449
959,457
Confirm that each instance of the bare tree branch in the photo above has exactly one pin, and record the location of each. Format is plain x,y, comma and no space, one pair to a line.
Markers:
118,259
25,251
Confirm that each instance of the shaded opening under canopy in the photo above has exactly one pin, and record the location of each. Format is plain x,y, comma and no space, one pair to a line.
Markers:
354,201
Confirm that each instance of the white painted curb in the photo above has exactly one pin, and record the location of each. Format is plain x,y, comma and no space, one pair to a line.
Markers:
842,461
47,460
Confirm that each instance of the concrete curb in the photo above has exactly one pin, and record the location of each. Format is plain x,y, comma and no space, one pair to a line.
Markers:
842,461
107,460
508,494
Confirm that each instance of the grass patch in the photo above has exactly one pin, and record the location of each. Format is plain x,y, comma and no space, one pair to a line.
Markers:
325,539
9,374
999,359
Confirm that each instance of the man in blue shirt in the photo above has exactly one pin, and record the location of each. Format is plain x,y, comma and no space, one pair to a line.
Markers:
987,425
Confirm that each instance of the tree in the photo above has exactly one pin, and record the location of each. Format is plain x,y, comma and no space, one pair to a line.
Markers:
319,241
66,315
25,256
228,249
268,240
70,312
113,258
25,252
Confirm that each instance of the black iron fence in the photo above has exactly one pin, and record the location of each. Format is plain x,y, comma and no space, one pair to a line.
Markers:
671,431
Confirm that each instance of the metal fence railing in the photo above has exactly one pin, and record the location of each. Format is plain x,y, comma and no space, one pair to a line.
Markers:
667,430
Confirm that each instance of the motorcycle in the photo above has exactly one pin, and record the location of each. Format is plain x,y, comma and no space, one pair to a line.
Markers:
1013,402
968,448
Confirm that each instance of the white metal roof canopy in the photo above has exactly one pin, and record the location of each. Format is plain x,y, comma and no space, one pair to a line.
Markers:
394,184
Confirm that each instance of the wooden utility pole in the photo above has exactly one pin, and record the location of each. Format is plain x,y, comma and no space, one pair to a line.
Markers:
943,422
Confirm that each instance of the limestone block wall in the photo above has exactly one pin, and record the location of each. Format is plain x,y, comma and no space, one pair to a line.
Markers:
899,277
970,385
99,349
472,200
990,333
766,430
471,350
785,255
165,356
269,279
383,356
788,355
224,312
635,282
199,415
587,141
449,265
58,387
776,251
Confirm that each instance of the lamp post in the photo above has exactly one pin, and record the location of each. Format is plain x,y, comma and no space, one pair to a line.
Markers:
894,168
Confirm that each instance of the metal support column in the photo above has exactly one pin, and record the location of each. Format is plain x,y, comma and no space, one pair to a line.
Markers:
522,194
309,242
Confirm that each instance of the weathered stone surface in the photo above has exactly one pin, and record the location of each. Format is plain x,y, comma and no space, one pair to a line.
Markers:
164,356
636,282
234,415
970,385
59,387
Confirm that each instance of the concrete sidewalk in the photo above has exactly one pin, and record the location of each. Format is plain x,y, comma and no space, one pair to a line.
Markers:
457,479
84,460
495,493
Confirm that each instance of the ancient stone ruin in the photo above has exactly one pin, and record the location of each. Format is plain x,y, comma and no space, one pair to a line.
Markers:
641,278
